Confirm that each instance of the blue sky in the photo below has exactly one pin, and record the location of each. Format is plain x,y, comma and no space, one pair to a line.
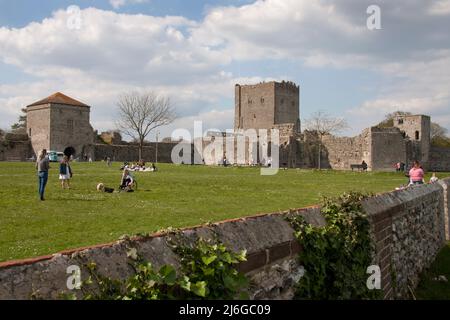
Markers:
195,51
19,13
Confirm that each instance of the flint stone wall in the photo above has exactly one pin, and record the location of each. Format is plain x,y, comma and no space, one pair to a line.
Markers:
409,229
408,226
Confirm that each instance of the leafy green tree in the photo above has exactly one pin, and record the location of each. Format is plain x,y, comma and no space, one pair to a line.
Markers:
21,125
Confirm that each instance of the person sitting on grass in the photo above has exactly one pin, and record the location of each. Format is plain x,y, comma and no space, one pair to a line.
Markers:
434,179
127,182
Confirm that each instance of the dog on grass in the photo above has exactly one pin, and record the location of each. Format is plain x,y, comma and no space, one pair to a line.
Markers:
101,187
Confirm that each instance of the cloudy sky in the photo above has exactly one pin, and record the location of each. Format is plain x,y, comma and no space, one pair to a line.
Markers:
195,51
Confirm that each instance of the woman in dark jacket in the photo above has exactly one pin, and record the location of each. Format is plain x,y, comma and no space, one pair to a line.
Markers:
65,172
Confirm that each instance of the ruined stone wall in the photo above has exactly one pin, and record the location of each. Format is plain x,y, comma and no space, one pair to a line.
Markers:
341,152
439,159
239,150
388,147
408,227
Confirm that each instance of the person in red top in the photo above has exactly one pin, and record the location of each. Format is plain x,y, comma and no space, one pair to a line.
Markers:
416,174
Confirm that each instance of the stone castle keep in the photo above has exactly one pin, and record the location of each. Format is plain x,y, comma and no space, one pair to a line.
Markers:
59,121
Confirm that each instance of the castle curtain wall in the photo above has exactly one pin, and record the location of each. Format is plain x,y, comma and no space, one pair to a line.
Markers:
388,147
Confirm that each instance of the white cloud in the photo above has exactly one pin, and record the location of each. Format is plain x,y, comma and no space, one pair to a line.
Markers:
419,85
120,3
275,29
441,7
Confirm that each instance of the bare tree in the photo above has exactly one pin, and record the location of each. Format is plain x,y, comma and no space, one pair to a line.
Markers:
437,131
323,124
139,114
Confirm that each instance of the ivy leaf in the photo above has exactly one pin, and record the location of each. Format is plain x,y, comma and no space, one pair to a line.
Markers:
241,256
229,282
208,260
208,271
185,283
168,274
199,288
227,257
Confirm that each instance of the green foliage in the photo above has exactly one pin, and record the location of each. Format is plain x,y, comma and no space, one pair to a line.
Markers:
336,256
443,142
207,272
22,123
211,263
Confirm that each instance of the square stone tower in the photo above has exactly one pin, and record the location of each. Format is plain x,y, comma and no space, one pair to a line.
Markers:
57,122
418,129
266,105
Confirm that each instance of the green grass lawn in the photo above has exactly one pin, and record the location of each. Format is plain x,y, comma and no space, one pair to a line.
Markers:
430,288
174,196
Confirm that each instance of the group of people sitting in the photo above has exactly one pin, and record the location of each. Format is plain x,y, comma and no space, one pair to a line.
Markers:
138,166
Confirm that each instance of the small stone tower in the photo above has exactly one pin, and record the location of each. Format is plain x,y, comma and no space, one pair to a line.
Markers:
266,105
418,129
57,122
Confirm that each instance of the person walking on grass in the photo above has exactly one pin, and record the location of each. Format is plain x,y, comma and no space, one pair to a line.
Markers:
42,167
65,172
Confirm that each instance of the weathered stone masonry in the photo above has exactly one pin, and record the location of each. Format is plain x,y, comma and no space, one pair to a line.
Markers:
409,227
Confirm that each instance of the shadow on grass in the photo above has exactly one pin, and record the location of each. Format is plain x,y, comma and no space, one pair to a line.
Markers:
73,199
432,284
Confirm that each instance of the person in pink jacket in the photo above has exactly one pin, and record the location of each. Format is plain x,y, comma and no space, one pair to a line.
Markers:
416,174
